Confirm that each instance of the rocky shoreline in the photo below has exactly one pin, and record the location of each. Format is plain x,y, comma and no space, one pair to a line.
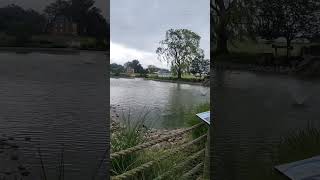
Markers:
150,133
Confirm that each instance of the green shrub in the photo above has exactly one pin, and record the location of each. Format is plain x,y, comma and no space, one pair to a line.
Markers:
192,119
130,135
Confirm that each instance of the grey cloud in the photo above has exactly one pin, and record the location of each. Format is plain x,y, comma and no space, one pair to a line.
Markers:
142,24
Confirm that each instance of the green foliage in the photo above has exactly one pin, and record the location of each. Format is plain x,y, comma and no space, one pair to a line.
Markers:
288,19
152,69
199,65
131,134
192,119
176,79
233,20
179,48
58,7
135,64
20,23
88,18
116,69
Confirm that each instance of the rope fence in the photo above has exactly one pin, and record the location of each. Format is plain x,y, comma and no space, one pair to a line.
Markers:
151,143
182,164
193,171
193,158
141,168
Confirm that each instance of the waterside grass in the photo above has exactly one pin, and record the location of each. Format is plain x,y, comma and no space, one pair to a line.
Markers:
131,134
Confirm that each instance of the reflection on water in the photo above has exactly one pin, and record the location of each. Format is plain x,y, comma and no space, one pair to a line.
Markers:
55,100
167,101
253,112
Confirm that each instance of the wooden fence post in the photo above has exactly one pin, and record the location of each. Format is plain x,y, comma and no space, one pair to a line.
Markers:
207,158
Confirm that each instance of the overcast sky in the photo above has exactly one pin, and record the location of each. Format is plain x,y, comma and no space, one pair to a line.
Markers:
39,5
138,26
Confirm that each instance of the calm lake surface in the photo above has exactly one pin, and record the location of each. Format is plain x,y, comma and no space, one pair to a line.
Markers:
262,112
56,100
166,102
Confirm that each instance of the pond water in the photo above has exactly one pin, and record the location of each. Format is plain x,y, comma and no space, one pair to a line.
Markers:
58,101
165,102
253,111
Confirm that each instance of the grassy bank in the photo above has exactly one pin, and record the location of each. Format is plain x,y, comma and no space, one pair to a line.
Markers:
187,79
55,41
175,79
298,145
133,133
192,119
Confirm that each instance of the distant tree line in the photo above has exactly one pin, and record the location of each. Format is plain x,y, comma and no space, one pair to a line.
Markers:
180,49
269,19
117,69
23,23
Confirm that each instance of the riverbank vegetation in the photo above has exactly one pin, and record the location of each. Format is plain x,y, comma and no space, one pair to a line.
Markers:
298,145
85,29
192,120
133,132
249,37
187,64
135,69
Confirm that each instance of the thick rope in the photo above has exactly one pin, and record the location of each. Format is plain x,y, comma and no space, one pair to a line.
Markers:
193,171
147,165
151,143
181,165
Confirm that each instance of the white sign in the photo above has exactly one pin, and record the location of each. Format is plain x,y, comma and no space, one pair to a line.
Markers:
302,170
205,116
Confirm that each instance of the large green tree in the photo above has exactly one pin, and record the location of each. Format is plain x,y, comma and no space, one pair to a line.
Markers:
178,49
288,19
88,18
231,20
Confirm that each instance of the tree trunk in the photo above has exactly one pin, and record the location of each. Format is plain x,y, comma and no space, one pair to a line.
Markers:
288,48
221,31
179,73
222,38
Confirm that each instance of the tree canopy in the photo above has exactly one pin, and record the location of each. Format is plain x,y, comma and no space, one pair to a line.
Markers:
88,18
199,65
116,68
232,20
178,49
21,23
152,69
288,19
135,64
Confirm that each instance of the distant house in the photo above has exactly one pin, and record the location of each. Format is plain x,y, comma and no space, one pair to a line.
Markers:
61,25
130,71
163,73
